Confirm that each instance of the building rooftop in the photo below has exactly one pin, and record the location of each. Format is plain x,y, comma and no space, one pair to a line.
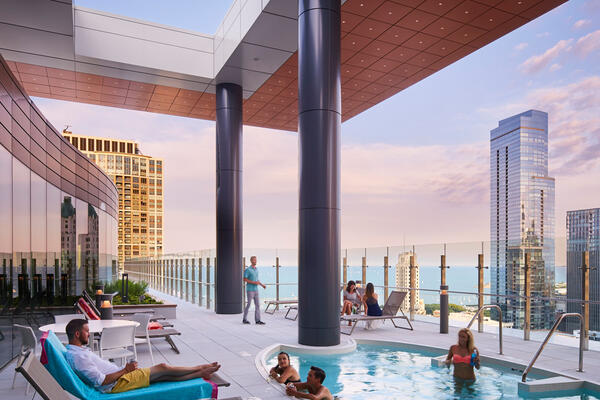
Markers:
206,337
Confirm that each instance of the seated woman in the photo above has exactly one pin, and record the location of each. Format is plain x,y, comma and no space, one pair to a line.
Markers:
464,356
371,306
370,301
351,299
283,372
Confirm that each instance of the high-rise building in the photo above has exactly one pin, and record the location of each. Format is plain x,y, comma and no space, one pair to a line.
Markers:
139,180
522,216
403,278
583,234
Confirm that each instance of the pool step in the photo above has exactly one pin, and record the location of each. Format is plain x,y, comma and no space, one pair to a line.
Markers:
438,361
551,386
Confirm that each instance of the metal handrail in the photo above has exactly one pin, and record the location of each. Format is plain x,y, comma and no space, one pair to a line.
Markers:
499,321
550,333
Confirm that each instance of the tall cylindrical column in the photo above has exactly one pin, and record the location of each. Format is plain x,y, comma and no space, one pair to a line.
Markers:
228,274
319,126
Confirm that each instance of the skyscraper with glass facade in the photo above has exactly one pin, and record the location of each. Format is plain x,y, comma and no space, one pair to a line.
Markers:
521,216
139,180
583,234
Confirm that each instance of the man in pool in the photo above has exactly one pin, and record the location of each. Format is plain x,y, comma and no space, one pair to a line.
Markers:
110,378
313,385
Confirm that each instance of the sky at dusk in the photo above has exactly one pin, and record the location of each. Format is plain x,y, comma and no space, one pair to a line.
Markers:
415,168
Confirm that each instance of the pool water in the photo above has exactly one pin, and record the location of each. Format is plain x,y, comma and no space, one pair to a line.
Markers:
388,372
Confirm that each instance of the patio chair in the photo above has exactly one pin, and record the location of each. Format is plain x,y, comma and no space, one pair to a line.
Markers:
115,343
390,311
57,373
28,343
65,319
141,331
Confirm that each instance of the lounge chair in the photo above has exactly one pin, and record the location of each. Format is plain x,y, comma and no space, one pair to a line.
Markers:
162,333
390,311
277,303
57,375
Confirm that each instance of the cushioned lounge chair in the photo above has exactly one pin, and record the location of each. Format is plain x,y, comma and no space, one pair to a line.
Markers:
63,376
390,311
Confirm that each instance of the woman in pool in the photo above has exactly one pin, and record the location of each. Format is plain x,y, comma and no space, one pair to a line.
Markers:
464,356
351,298
283,372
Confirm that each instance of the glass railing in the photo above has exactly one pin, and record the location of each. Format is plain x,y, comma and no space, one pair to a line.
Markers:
470,279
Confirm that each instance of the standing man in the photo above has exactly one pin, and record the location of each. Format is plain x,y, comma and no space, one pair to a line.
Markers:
252,282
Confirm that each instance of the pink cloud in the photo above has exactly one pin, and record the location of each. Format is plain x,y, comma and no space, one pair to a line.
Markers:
536,63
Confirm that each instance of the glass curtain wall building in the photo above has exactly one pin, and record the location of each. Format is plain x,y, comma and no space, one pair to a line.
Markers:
58,213
522,217
583,230
139,180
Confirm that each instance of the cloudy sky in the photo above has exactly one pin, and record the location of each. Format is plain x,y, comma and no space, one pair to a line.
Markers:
415,168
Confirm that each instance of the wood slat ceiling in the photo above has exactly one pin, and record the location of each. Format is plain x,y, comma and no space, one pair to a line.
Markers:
386,46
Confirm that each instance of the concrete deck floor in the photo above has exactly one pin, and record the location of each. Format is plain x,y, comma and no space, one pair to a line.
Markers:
208,337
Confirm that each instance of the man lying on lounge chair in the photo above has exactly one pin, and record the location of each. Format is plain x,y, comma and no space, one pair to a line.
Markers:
109,378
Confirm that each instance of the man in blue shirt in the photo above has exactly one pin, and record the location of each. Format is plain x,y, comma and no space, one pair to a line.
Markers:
252,282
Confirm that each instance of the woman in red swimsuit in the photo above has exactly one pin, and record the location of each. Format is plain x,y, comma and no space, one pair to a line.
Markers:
461,354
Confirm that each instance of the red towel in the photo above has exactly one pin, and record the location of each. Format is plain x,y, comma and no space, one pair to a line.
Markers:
154,325
44,357
215,391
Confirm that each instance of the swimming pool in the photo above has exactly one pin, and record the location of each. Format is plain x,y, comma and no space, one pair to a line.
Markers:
391,372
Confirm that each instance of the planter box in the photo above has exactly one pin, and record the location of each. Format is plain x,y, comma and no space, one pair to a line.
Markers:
168,310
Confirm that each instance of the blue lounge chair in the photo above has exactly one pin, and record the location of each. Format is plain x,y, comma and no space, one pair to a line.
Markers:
60,370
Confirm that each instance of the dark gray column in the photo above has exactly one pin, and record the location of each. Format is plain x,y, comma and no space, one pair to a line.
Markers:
228,272
319,126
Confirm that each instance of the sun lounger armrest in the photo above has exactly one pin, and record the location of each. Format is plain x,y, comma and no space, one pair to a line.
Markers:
219,381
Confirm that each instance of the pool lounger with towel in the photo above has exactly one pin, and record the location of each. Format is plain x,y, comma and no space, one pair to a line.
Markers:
57,378
390,309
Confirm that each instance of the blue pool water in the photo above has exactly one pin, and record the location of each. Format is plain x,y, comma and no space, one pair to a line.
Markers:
387,372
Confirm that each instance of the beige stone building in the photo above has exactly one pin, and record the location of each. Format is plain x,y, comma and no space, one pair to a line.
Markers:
139,180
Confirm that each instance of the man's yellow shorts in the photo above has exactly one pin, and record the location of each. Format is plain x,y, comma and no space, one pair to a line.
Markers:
136,379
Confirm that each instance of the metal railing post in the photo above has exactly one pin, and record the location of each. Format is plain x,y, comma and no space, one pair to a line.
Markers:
499,321
386,277
200,282
585,298
527,317
172,278
243,283
364,269
208,282
277,281
181,281
412,285
480,289
187,279
193,284
345,270
443,295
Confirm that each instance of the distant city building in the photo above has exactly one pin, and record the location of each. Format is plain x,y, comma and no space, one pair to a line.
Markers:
139,180
403,280
522,216
583,234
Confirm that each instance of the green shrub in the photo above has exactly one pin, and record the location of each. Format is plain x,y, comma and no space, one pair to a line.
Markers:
430,308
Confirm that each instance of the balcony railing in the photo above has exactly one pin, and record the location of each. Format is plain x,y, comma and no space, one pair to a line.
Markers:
530,306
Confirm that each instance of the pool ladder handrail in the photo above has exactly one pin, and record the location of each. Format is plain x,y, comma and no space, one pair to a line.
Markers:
486,306
550,333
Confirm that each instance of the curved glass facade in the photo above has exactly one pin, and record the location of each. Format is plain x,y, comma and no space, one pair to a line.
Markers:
58,225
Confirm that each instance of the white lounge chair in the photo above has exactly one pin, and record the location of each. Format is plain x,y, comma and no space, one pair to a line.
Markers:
390,311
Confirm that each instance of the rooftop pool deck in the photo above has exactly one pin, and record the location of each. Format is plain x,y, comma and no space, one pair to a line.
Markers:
206,337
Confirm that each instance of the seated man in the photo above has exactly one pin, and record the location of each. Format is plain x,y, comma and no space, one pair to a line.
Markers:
109,378
313,385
